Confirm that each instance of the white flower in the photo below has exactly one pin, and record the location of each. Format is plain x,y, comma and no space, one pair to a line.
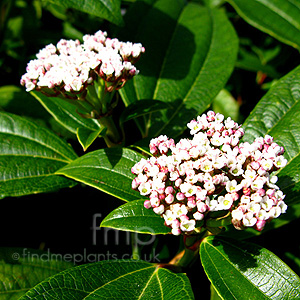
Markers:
187,225
266,203
237,214
266,164
198,216
145,188
262,215
232,186
217,139
194,126
275,212
207,166
236,170
249,220
178,209
254,207
282,206
280,162
225,202
159,209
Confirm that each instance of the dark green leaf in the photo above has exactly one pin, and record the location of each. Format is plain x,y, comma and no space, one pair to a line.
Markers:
278,114
106,9
29,157
22,269
279,18
239,270
108,170
118,279
133,216
187,61
87,137
141,108
66,114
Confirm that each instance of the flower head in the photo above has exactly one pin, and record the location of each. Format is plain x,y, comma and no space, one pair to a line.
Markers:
212,172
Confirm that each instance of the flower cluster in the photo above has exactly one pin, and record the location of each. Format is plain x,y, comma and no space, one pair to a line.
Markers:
212,172
70,66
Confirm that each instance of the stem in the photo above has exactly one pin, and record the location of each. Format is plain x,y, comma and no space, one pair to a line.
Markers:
190,253
112,137
135,247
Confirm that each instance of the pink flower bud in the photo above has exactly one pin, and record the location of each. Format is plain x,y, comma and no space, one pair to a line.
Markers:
260,224
159,209
261,192
201,206
135,184
161,196
180,196
255,165
169,190
147,204
247,191
235,196
169,199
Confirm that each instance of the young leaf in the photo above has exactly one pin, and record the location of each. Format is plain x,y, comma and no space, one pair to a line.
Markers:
66,114
22,269
116,279
106,9
133,216
30,155
87,137
279,18
278,114
187,61
239,270
108,170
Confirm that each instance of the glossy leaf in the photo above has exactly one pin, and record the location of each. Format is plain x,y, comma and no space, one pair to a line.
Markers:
108,170
278,114
22,269
116,279
29,157
279,18
239,270
187,62
106,9
141,108
87,137
66,114
133,216
226,105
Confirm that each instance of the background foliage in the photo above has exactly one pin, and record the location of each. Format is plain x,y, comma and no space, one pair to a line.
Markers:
57,182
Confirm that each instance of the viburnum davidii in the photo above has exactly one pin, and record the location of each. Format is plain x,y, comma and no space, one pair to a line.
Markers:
86,72
212,172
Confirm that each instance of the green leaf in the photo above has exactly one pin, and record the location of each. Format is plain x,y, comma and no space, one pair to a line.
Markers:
22,269
141,108
187,61
87,137
239,270
226,105
249,61
278,114
117,279
65,113
29,157
106,9
278,18
14,99
108,170
133,216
